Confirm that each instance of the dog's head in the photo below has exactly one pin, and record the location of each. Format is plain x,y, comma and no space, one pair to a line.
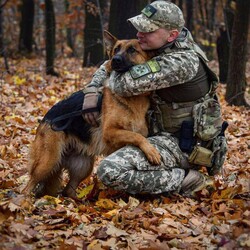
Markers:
123,54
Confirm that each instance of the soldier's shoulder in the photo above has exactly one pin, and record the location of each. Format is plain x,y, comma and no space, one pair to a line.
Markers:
181,54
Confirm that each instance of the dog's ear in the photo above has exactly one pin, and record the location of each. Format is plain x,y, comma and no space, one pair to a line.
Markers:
109,41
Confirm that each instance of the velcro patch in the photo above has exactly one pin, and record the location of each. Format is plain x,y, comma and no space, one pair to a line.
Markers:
154,66
140,70
149,11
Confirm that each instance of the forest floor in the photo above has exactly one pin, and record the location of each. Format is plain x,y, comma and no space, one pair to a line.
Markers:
105,219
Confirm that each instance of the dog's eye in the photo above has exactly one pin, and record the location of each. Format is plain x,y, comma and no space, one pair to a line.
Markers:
116,50
131,50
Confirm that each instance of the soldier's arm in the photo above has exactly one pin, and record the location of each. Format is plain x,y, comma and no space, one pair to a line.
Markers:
92,94
99,77
160,72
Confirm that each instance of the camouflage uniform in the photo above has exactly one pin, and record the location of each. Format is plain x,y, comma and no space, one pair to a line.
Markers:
177,64
128,169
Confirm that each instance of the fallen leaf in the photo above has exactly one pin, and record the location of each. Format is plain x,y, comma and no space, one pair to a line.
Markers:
106,204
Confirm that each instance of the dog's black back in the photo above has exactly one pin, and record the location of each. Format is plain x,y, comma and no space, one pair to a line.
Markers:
66,116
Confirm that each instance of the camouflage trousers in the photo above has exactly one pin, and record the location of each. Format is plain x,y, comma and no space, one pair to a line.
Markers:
128,170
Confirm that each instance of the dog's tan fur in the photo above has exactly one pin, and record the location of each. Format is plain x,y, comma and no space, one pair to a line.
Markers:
123,122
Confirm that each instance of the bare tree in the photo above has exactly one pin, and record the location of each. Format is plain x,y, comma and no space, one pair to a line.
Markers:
93,33
26,26
223,41
236,83
50,37
70,42
2,46
120,11
190,17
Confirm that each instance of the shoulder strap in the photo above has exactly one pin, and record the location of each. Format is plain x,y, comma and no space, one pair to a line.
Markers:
185,41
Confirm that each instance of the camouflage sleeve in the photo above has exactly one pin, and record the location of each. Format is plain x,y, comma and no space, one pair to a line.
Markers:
99,77
160,72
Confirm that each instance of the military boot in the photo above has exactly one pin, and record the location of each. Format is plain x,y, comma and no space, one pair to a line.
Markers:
194,182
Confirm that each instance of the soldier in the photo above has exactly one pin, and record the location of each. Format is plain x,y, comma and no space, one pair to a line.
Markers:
182,85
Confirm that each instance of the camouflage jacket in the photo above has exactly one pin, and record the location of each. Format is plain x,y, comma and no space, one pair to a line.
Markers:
99,77
166,70
173,66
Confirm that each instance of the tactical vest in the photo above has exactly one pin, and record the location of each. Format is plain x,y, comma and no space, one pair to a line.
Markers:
171,114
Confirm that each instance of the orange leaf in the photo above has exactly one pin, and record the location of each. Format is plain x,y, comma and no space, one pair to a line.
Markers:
227,193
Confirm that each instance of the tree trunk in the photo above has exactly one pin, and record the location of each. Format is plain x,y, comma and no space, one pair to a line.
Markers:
120,11
210,13
70,42
229,13
1,33
93,34
201,13
223,43
236,84
223,48
180,5
190,18
50,37
2,46
26,26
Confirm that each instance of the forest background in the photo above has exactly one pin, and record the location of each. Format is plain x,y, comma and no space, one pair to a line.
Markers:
48,50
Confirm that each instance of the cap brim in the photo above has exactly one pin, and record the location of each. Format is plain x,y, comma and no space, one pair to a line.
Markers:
143,24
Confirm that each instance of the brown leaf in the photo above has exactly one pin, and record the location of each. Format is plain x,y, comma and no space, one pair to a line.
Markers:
106,204
100,233
227,193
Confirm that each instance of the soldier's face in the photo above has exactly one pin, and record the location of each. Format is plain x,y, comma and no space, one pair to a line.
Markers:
156,39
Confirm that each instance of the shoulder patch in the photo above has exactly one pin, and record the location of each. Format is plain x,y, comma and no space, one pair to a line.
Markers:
140,70
154,65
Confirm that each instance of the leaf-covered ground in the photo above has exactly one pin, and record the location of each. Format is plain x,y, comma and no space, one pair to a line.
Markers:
105,219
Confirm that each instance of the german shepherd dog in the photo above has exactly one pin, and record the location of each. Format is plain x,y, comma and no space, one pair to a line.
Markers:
72,143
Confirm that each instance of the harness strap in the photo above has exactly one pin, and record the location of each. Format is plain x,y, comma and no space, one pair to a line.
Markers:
73,114
67,116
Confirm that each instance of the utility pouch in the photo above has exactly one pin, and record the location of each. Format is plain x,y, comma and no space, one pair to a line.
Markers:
201,156
219,148
187,140
207,119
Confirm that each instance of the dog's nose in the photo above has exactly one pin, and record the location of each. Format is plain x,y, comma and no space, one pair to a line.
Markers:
117,61
120,64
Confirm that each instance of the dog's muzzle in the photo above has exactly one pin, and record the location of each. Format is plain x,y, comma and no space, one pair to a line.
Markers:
119,64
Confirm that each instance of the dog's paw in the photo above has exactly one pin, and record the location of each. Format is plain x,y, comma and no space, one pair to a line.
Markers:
153,155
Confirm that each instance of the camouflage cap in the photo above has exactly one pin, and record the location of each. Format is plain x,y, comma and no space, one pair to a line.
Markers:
159,14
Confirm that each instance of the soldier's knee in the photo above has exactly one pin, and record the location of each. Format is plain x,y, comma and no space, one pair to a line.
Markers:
101,170
107,172
115,172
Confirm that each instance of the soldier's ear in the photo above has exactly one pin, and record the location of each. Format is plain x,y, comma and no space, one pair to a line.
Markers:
109,41
173,35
